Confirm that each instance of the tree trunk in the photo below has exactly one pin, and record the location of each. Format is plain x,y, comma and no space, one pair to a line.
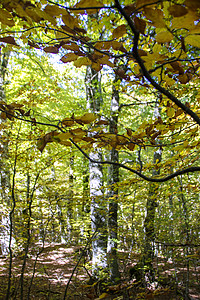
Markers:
98,203
113,175
5,187
70,199
151,205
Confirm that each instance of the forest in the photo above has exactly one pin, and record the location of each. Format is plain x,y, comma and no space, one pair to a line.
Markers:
100,149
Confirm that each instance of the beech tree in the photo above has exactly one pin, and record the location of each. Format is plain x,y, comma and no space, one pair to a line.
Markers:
152,48
158,54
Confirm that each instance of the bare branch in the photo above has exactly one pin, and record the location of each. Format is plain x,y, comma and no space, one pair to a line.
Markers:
150,179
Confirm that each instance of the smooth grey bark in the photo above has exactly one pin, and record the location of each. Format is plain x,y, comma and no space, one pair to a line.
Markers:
5,186
113,175
98,203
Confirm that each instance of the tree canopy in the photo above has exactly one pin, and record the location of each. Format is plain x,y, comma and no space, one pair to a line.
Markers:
103,92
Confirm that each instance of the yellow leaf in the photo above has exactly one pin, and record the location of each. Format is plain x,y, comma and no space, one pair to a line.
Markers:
105,61
54,10
141,3
69,57
195,29
67,122
102,296
63,136
119,31
193,40
118,46
34,13
61,35
164,37
6,17
82,61
103,45
156,16
88,3
187,21
170,112
65,143
69,20
78,132
88,118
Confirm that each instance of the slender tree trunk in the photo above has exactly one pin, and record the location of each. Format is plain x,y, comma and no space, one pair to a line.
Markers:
113,175
151,209
70,199
98,203
5,187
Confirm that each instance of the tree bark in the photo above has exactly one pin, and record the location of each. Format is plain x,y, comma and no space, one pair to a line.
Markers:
98,203
151,209
5,186
113,175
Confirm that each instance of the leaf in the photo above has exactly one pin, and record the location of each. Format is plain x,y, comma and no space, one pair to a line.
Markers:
6,18
170,112
142,52
119,31
184,78
78,132
96,66
69,57
68,122
69,20
102,296
105,61
3,115
141,3
8,40
164,37
65,143
129,9
47,138
140,24
131,146
129,131
156,16
102,122
51,49
34,13
82,61
41,144
54,10
177,10
187,20
89,3
193,4
73,47
193,40
64,136
118,46
88,118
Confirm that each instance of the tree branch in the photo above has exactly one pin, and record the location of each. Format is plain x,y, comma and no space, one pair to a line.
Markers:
145,72
150,179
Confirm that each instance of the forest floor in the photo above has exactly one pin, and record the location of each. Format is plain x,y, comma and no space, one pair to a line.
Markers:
56,263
